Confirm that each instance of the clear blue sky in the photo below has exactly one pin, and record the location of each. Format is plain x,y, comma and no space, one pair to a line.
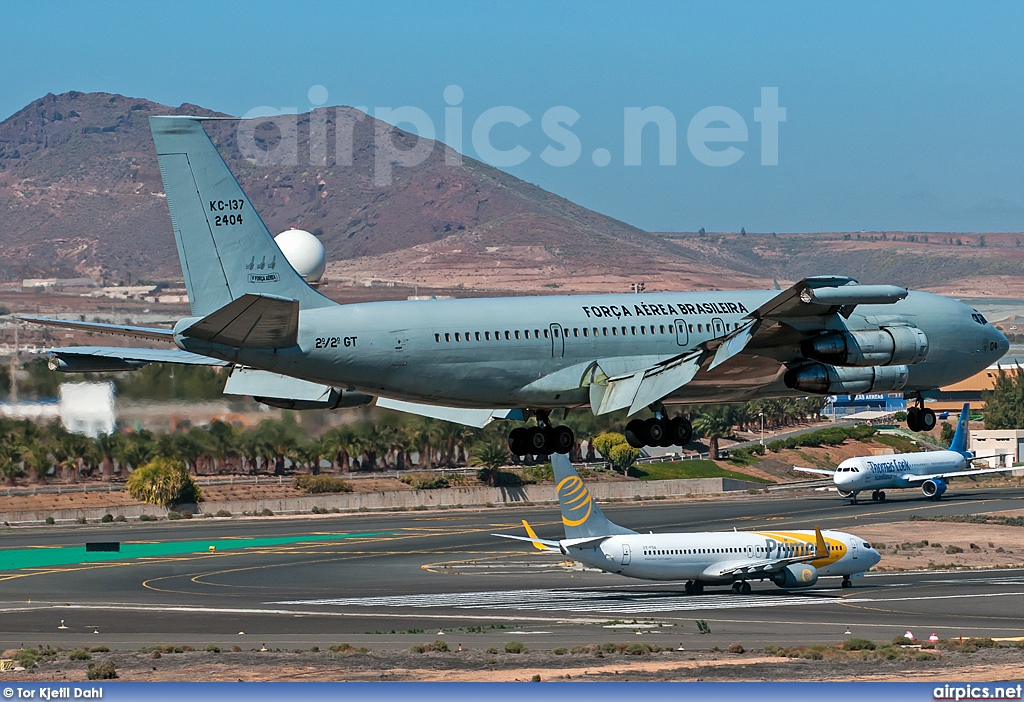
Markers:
899,116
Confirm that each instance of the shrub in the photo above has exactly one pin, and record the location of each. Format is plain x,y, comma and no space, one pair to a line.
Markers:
107,518
515,647
222,513
120,518
210,648
425,481
50,520
535,678
342,648
856,644
954,549
99,649
80,520
179,515
163,482
559,651
439,646
315,484
79,654
236,649
267,512
736,648
103,671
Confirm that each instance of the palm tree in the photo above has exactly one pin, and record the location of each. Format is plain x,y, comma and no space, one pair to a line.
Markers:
342,443
9,466
107,447
714,425
490,457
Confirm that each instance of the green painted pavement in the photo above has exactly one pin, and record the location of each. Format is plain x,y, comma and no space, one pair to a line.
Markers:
45,557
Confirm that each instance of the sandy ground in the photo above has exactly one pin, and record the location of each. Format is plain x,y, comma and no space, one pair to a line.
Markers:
479,666
923,545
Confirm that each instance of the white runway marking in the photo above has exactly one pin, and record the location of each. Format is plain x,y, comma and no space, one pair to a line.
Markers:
572,601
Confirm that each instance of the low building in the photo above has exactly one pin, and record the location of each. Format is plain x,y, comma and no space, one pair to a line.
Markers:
989,442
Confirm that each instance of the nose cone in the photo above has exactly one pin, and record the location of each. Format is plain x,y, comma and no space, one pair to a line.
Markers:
998,344
874,557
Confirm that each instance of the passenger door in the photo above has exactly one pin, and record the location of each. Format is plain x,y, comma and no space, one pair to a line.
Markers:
557,341
625,554
682,334
853,548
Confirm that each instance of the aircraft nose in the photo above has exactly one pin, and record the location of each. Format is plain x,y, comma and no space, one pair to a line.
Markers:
1002,345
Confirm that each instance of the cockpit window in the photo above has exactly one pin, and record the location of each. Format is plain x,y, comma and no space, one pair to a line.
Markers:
976,316
867,545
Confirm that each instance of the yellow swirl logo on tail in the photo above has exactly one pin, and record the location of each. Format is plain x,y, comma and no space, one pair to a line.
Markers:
575,499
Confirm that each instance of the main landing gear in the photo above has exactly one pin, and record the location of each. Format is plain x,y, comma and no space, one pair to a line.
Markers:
694,587
920,418
741,587
541,440
878,496
659,431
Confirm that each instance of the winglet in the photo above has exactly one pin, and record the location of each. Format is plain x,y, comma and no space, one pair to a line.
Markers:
533,535
820,548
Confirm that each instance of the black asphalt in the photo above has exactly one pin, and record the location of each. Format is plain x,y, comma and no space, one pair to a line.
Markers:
442,571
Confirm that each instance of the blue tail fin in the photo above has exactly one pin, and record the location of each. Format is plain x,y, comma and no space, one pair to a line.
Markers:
580,514
226,251
959,443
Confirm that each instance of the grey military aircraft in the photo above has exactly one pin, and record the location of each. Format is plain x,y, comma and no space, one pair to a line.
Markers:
476,360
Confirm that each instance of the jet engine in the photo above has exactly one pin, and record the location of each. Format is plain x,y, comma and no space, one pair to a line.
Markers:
337,399
92,364
824,379
889,346
933,488
796,575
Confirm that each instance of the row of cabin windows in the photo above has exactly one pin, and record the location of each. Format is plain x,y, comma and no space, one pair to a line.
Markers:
653,329
800,550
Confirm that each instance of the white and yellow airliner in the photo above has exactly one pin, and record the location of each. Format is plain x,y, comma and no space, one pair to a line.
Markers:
790,559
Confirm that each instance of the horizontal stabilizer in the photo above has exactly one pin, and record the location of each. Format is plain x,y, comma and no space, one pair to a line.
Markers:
478,418
94,359
153,333
539,544
252,322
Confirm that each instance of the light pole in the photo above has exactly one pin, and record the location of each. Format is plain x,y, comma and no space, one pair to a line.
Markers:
761,415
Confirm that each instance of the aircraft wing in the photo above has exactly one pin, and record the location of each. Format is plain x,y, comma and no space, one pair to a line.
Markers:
153,333
805,308
478,418
768,565
95,359
958,474
819,471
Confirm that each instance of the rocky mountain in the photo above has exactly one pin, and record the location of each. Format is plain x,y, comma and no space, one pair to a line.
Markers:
80,194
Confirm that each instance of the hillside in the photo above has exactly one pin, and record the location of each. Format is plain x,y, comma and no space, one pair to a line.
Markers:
80,194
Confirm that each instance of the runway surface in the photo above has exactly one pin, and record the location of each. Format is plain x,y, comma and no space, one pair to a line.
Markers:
395,579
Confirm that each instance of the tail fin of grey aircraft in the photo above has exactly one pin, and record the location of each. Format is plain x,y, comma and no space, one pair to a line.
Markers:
580,514
959,443
225,248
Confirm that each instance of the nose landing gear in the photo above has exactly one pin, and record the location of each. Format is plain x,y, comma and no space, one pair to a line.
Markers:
847,582
920,418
